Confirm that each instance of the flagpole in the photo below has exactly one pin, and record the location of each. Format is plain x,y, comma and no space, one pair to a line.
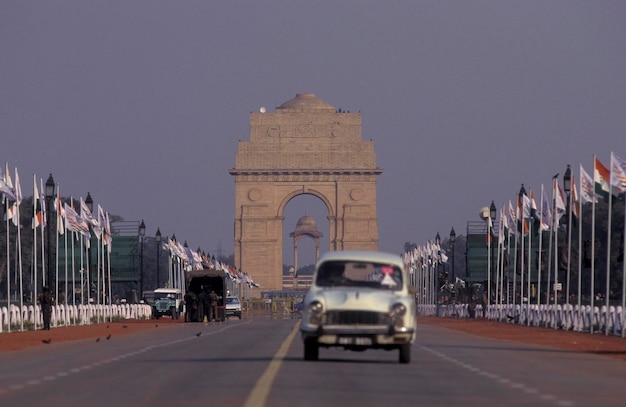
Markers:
515,265
556,248
82,270
74,237
489,226
580,238
550,250
19,260
508,265
569,243
6,211
108,262
624,268
530,228
34,280
608,260
540,244
593,249
65,286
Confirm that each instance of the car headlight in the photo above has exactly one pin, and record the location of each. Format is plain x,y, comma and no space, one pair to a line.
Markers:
315,310
397,313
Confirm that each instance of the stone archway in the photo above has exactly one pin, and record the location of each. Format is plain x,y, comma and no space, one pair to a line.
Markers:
305,147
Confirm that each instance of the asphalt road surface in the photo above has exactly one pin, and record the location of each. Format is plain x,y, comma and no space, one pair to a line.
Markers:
259,363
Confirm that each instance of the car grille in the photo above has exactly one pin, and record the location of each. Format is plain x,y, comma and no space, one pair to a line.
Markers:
356,318
162,306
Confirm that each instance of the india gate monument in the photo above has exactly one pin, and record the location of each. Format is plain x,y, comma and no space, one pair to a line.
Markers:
305,147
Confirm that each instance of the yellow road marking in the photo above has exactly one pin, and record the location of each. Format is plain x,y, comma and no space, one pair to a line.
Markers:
260,391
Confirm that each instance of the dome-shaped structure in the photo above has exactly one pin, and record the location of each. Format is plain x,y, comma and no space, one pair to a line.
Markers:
306,102
306,226
306,223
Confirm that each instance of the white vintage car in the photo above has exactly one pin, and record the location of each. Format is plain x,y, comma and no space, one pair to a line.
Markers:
359,300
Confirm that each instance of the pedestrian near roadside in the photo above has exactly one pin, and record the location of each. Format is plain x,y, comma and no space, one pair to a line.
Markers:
189,306
46,300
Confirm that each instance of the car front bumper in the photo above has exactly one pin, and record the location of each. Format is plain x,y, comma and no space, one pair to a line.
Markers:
334,335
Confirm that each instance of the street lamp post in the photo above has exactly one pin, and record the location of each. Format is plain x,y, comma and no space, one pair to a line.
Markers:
157,237
567,186
49,196
142,233
492,216
452,240
437,285
521,195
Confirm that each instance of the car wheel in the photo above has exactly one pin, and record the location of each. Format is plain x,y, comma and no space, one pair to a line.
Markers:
405,353
311,350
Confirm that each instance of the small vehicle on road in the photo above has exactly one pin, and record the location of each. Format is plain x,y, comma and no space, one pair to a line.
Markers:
359,300
233,307
167,301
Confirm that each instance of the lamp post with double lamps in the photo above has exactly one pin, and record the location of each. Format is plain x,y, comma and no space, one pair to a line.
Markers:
452,240
49,195
437,272
157,237
521,195
90,268
567,187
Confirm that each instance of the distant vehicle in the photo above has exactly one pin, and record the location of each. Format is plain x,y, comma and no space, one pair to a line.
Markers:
167,301
359,300
208,280
233,307
298,306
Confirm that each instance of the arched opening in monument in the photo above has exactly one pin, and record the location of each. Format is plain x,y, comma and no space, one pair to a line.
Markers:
305,236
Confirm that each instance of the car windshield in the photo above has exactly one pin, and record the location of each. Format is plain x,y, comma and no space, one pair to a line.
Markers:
158,296
232,300
359,274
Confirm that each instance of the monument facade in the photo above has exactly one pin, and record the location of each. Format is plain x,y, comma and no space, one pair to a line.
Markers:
305,147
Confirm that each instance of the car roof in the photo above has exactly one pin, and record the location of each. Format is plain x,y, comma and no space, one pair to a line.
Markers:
363,255
168,290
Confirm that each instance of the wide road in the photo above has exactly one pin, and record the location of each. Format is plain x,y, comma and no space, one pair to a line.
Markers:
259,363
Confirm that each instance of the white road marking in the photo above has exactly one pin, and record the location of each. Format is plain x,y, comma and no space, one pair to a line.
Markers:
502,380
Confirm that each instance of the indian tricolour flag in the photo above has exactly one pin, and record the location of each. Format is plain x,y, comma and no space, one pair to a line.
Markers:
601,177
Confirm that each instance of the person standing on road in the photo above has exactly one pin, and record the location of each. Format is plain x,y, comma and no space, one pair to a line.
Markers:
206,304
189,305
213,297
46,300
201,299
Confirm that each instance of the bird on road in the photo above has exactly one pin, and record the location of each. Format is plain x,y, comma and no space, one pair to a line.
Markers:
108,337
98,340
46,341
199,333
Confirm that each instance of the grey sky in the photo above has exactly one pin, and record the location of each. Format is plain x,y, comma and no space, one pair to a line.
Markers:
141,103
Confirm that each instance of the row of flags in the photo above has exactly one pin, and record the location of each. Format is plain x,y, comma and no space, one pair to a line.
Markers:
198,261
606,181
425,255
83,222
546,211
